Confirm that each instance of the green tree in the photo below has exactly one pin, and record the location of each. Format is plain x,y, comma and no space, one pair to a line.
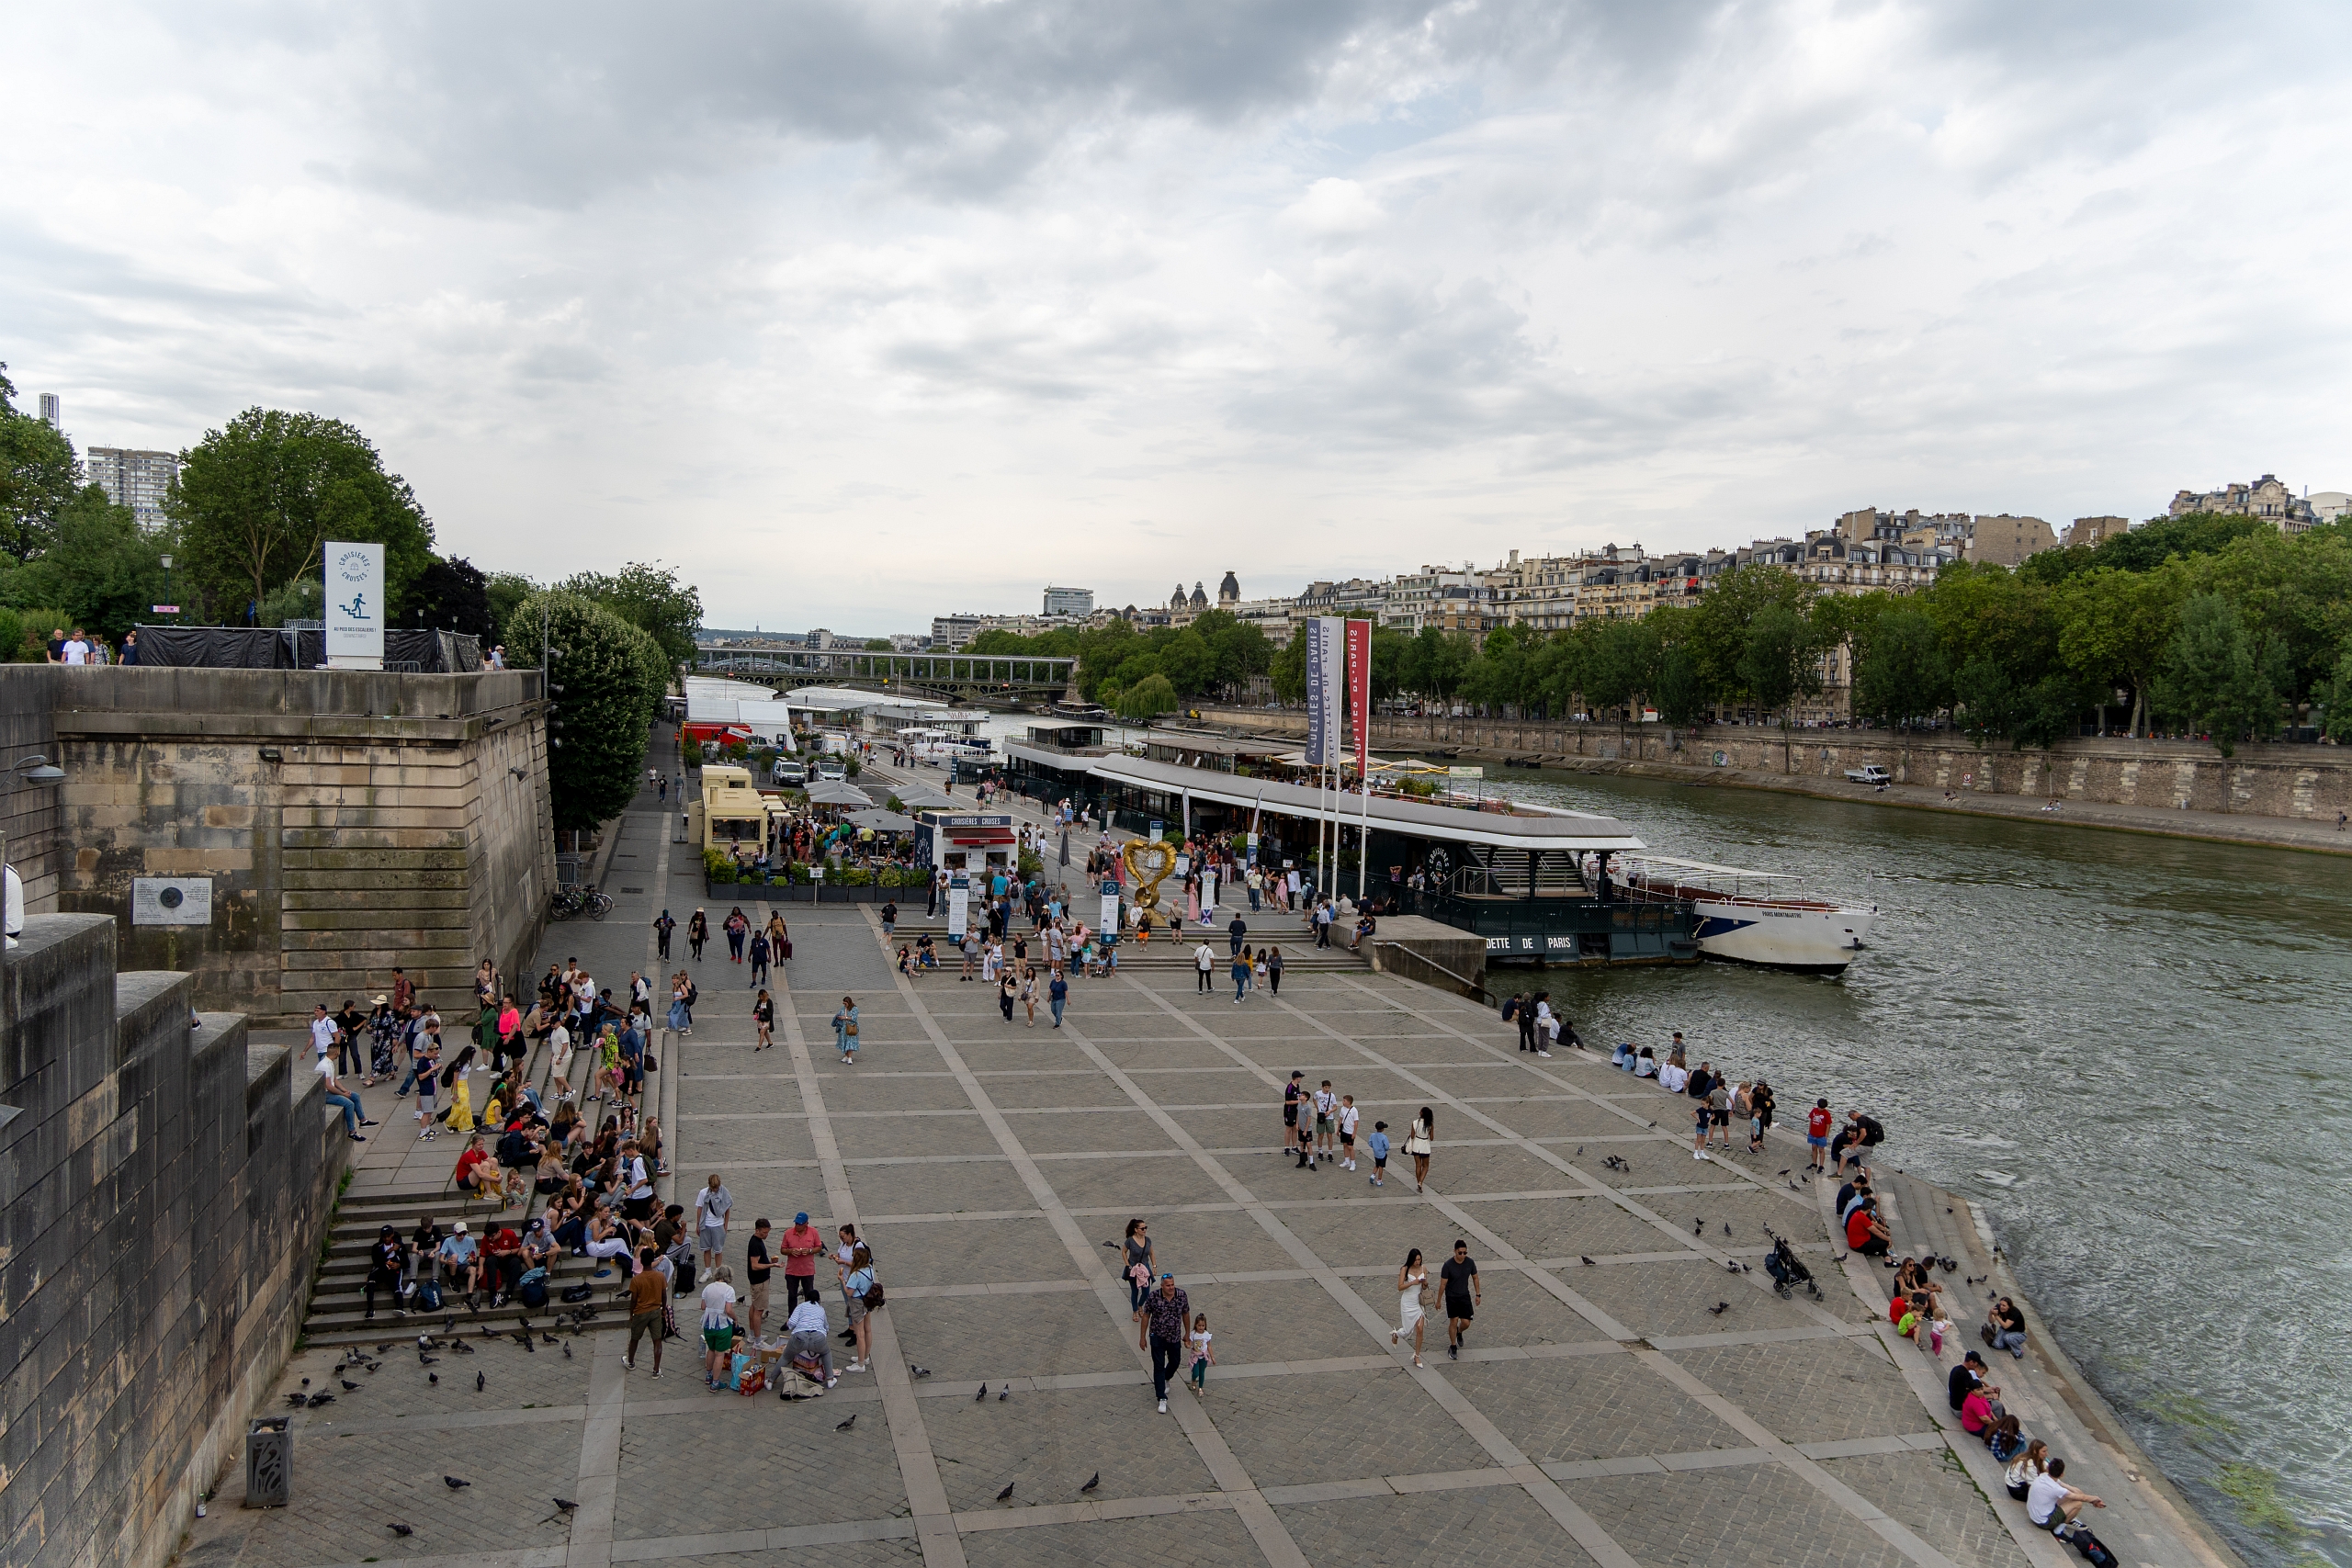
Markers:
1900,671
605,678
2335,697
1782,658
1152,696
505,591
650,598
2212,677
40,477
2293,593
257,500
2113,626
1185,661
1719,634
100,569
877,645
452,595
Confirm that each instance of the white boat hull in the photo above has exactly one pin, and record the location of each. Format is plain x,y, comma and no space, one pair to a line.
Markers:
1779,937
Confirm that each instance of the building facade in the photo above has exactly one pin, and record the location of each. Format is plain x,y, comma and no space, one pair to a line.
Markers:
1077,601
2087,532
134,479
2265,498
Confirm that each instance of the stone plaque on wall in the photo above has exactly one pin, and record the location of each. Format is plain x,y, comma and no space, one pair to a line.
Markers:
171,901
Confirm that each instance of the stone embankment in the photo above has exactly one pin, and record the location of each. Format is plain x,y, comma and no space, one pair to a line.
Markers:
2289,795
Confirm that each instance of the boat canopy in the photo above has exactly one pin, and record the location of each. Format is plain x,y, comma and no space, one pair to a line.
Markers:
1646,859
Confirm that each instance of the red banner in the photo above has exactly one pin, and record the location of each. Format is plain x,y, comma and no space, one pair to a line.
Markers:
1360,691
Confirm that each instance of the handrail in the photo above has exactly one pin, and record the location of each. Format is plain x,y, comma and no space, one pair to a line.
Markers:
1470,989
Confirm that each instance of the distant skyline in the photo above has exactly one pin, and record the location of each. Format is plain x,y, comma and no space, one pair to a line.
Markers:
859,314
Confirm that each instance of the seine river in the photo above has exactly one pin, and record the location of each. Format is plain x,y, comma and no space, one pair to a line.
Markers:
2131,1052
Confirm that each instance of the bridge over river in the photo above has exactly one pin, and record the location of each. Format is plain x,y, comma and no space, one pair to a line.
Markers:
971,677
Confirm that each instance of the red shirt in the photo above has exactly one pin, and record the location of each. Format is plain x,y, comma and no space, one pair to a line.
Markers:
1858,1227
797,1240
1816,1122
471,1158
503,1242
1975,1412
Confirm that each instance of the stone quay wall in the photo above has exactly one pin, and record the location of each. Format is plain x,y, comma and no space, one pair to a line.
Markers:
347,821
166,1187
2291,781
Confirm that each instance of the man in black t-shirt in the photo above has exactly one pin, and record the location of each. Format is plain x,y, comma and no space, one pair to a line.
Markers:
1462,1296
756,1269
1291,1093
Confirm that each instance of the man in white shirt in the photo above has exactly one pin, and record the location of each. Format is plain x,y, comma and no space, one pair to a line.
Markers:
2051,1503
1674,1078
712,1205
1204,960
808,1335
77,649
347,1104
324,1031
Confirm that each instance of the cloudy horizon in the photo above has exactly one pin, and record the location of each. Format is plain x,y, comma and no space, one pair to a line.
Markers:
858,314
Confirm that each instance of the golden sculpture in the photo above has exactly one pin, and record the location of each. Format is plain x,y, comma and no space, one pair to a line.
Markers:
1149,864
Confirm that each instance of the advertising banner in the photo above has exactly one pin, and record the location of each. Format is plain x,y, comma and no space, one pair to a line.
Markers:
1324,655
354,581
1108,920
1359,690
960,905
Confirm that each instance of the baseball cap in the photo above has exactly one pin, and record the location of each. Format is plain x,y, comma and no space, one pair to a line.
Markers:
800,1219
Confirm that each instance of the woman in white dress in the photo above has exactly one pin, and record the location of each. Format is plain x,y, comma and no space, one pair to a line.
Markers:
1410,1279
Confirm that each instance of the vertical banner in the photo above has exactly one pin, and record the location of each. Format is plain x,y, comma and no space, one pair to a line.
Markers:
1319,740
1360,692
355,585
1107,922
1334,678
960,905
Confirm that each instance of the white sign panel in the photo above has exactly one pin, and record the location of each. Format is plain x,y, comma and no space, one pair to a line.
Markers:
170,900
354,606
1109,922
959,907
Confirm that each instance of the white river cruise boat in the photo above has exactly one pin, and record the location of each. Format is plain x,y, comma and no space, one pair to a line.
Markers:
1749,916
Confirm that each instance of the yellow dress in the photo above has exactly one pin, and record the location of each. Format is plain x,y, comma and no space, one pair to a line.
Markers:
461,1106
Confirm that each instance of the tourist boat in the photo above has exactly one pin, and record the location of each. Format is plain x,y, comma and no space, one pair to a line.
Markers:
926,745
1747,917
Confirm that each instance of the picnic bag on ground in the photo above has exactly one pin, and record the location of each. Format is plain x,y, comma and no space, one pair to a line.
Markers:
428,1296
577,1293
685,1273
532,1293
2093,1549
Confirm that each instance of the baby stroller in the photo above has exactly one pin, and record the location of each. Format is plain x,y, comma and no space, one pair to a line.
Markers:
1787,1271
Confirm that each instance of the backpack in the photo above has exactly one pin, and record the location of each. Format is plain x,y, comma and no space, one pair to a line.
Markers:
575,1294
2093,1550
684,1285
532,1293
428,1296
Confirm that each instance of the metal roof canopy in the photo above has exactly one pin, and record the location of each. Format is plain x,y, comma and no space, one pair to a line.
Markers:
838,791
922,798
881,821
1563,831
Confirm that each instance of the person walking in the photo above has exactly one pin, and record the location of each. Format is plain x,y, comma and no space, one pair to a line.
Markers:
1029,994
712,1205
1203,1354
1008,990
697,933
1140,1265
1462,1296
1378,1145
1241,976
1411,1280
759,960
737,924
1420,1142
1235,929
845,1031
648,1293
662,926
1274,971
1058,993
764,1018
1204,960
1160,1330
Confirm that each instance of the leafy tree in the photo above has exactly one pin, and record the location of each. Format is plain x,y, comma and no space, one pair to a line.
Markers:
1288,671
2334,695
2160,538
2212,677
40,477
257,499
1899,670
877,645
1782,658
1153,695
2113,626
1435,661
1185,661
452,595
101,571
611,674
2294,593
1718,638
650,598
504,591
1678,693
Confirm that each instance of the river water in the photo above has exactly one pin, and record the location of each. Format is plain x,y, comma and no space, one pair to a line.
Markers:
2130,1051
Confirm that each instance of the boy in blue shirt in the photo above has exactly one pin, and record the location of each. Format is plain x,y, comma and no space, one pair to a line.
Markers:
1378,1144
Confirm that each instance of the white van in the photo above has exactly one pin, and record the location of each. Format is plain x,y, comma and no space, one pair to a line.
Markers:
1873,775
833,768
789,772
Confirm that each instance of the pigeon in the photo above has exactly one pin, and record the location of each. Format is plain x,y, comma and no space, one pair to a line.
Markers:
297,1399
845,1426
348,1386
1111,1245
982,1396
1092,1482
1952,1265
1726,1227
449,1324
1653,1124
1001,1397
1720,1308
481,1382
1580,1148
567,1352
1698,1227
1841,1258
425,1342
384,1347
1952,1210
488,1332
1731,1266
453,1484
564,1504
1583,1259
920,1373
1006,1492
400,1529
425,1360
461,1348
1786,1169
375,1366
1793,1185
546,1337
433,1377
528,1344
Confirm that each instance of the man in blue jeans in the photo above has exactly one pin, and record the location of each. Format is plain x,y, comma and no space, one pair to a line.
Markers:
347,1104
1159,1328
1236,931
1057,993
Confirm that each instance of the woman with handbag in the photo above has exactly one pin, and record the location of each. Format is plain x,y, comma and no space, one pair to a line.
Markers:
1420,1143
1412,1307
697,933
864,1294
845,1031
1140,1266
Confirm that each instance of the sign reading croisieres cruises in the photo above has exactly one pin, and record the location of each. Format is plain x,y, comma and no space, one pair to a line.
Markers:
354,581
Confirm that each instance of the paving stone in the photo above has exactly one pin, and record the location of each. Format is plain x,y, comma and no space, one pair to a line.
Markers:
1655,1300
945,1187
964,1338
511,1375
1483,1527
1931,1493
1562,1118
904,1083
969,1252
1226,1243
1483,1079
1363,1228
1517,1311
1155,1051
1253,1129
1226,1087
900,1554
1586,1407
1047,1442
1567,1227
1812,1390
1145,1182
1290,1431
345,1489
1279,1320
713,1145
1756,1514
1027,1090
1654,1162
1090,1130
1208,1538
1495,1168
869,1136
1038,1050
755,1463
704,1094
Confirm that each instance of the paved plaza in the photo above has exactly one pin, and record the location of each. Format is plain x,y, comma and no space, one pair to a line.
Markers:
1625,1396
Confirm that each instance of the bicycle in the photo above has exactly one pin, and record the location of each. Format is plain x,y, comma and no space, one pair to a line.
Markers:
567,903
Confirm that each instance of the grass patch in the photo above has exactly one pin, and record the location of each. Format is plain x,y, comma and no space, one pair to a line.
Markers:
2256,1492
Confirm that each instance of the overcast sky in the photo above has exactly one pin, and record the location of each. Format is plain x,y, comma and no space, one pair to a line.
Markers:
860,312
